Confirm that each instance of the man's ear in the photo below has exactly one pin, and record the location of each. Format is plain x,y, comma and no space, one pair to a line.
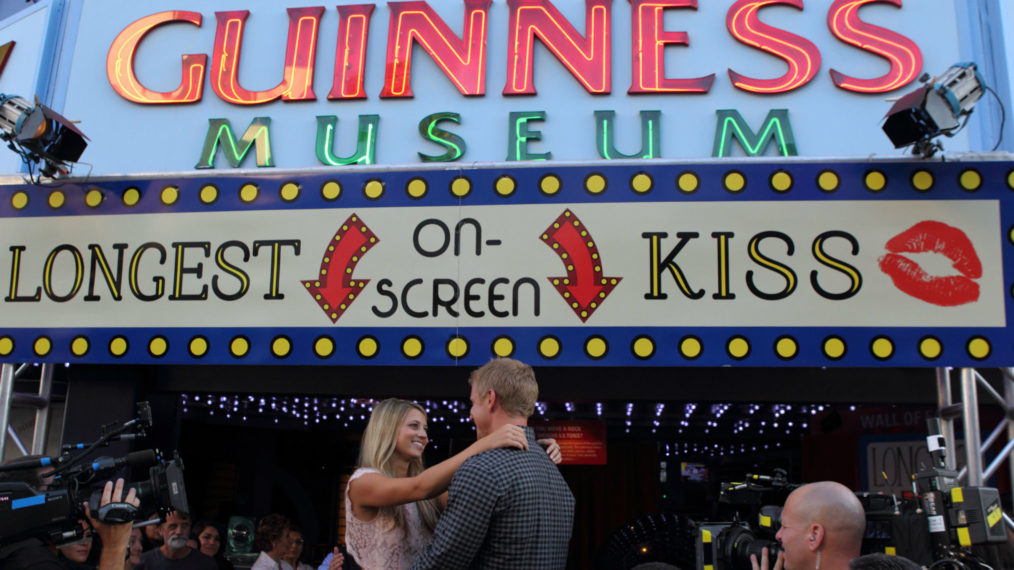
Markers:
816,536
491,399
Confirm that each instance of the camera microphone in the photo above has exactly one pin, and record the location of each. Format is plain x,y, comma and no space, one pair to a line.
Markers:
141,458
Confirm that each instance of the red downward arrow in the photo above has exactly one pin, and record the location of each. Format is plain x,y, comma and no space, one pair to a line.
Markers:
584,288
335,289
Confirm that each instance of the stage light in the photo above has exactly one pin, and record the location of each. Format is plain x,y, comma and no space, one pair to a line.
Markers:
40,135
940,107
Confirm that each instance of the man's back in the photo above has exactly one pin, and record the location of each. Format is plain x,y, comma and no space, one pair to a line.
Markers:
507,509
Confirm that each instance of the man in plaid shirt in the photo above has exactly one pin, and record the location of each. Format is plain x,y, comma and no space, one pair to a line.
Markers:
507,508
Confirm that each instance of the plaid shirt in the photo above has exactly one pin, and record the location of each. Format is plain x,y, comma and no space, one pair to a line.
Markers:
508,509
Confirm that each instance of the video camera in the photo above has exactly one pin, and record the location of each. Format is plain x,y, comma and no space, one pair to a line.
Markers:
53,514
728,545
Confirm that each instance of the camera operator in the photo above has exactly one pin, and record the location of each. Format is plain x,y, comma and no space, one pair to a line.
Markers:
822,528
35,554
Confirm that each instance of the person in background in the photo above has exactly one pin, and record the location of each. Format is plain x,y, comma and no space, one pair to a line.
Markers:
76,555
822,526
296,550
151,535
175,554
208,535
133,550
273,541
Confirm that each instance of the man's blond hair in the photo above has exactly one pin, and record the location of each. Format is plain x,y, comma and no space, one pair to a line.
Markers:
513,382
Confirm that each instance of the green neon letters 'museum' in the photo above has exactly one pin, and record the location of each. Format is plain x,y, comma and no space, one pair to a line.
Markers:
732,125
651,146
366,141
256,135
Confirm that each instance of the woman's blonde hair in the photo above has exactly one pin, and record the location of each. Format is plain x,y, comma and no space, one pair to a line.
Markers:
377,449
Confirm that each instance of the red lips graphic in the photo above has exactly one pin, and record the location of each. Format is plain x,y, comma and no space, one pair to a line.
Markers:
938,237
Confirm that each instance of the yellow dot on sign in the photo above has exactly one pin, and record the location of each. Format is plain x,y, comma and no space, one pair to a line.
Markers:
644,347
457,347
688,182
834,348
461,186
281,346
550,184
209,194
131,196
1010,235
503,347
505,186
922,180
198,346
6,346
781,181
94,197
374,189
118,346
970,180
738,347
248,192
595,183
640,183
367,347
412,347
549,347
19,200
416,188
828,181
289,191
930,348
170,194
331,190
978,347
691,347
734,182
323,346
882,347
42,346
786,347
1010,179
79,346
596,347
56,199
239,346
158,346
875,180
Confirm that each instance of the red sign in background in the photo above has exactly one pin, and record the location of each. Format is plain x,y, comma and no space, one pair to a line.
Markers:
581,442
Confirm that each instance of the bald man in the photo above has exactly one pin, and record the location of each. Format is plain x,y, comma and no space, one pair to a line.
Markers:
822,529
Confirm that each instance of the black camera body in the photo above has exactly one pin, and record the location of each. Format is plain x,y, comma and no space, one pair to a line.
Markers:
729,545
53,514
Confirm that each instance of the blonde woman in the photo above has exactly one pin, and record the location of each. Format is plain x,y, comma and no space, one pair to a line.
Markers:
392,502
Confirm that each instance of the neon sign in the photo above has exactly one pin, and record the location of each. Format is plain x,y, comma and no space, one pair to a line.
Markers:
587,57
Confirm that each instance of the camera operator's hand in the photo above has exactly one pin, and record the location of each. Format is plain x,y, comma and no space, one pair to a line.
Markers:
764,562
114,536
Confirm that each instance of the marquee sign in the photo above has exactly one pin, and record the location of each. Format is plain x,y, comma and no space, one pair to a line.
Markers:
620,263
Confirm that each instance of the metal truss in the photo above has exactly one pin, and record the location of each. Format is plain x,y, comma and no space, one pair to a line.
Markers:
967,410
41,402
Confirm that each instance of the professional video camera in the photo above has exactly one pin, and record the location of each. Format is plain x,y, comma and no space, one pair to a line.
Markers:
728,545
957,517
53,514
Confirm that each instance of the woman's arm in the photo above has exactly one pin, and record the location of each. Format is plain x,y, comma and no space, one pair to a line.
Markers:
378,490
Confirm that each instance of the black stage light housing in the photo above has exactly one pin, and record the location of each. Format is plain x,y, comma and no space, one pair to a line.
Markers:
40,135
935,109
